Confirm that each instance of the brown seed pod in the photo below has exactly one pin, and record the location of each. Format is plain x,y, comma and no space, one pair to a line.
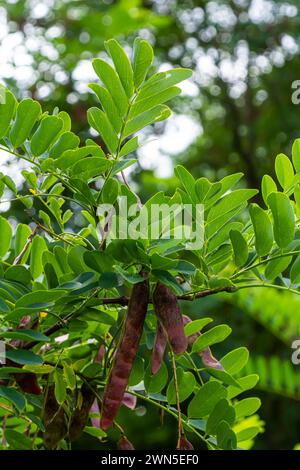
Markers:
159,347
167,310
126,353
80,416
28,383
54,421
125,444
184,444
206,355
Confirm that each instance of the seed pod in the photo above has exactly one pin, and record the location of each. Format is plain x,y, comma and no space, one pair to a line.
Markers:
126,353
125,444
54,421
95,409
28,383
129,401
184,444
80,416
159,347
206,355
167,309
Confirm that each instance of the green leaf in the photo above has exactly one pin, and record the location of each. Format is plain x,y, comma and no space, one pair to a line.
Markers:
163,80
28,112
247,407
60,389
45,135
37,249
99,121
268,186
25,335
277,266
222,376
95,432
296,154
110,191
69,376
129,147
284,171
245,383
6,234
235,360
40,299
223,411
186,385
196,326
295,271
140,106
223,235
263,230
14,397
166,278
131,278
283,217
21,356
112,82
229,202
122,65
157,114
206,399
226,438
142,60
155,383
213,336
7,110
67,141
108,106
38,369
240,248
17,441
247,434
187,181
162,262
90,167
23,232
137,372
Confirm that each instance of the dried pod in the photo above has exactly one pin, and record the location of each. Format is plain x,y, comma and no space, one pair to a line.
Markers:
126,353
184,444
80,416
54,421
167,310
159,347
125,444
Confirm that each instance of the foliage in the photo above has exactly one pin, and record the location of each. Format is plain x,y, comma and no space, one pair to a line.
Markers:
72,286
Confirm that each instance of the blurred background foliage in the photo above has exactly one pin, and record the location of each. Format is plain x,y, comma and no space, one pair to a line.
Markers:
236,114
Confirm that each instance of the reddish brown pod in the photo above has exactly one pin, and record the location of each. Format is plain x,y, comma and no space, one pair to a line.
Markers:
168,312
55,421
80,416
159,347
184,444
126,353
28,383
125,444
